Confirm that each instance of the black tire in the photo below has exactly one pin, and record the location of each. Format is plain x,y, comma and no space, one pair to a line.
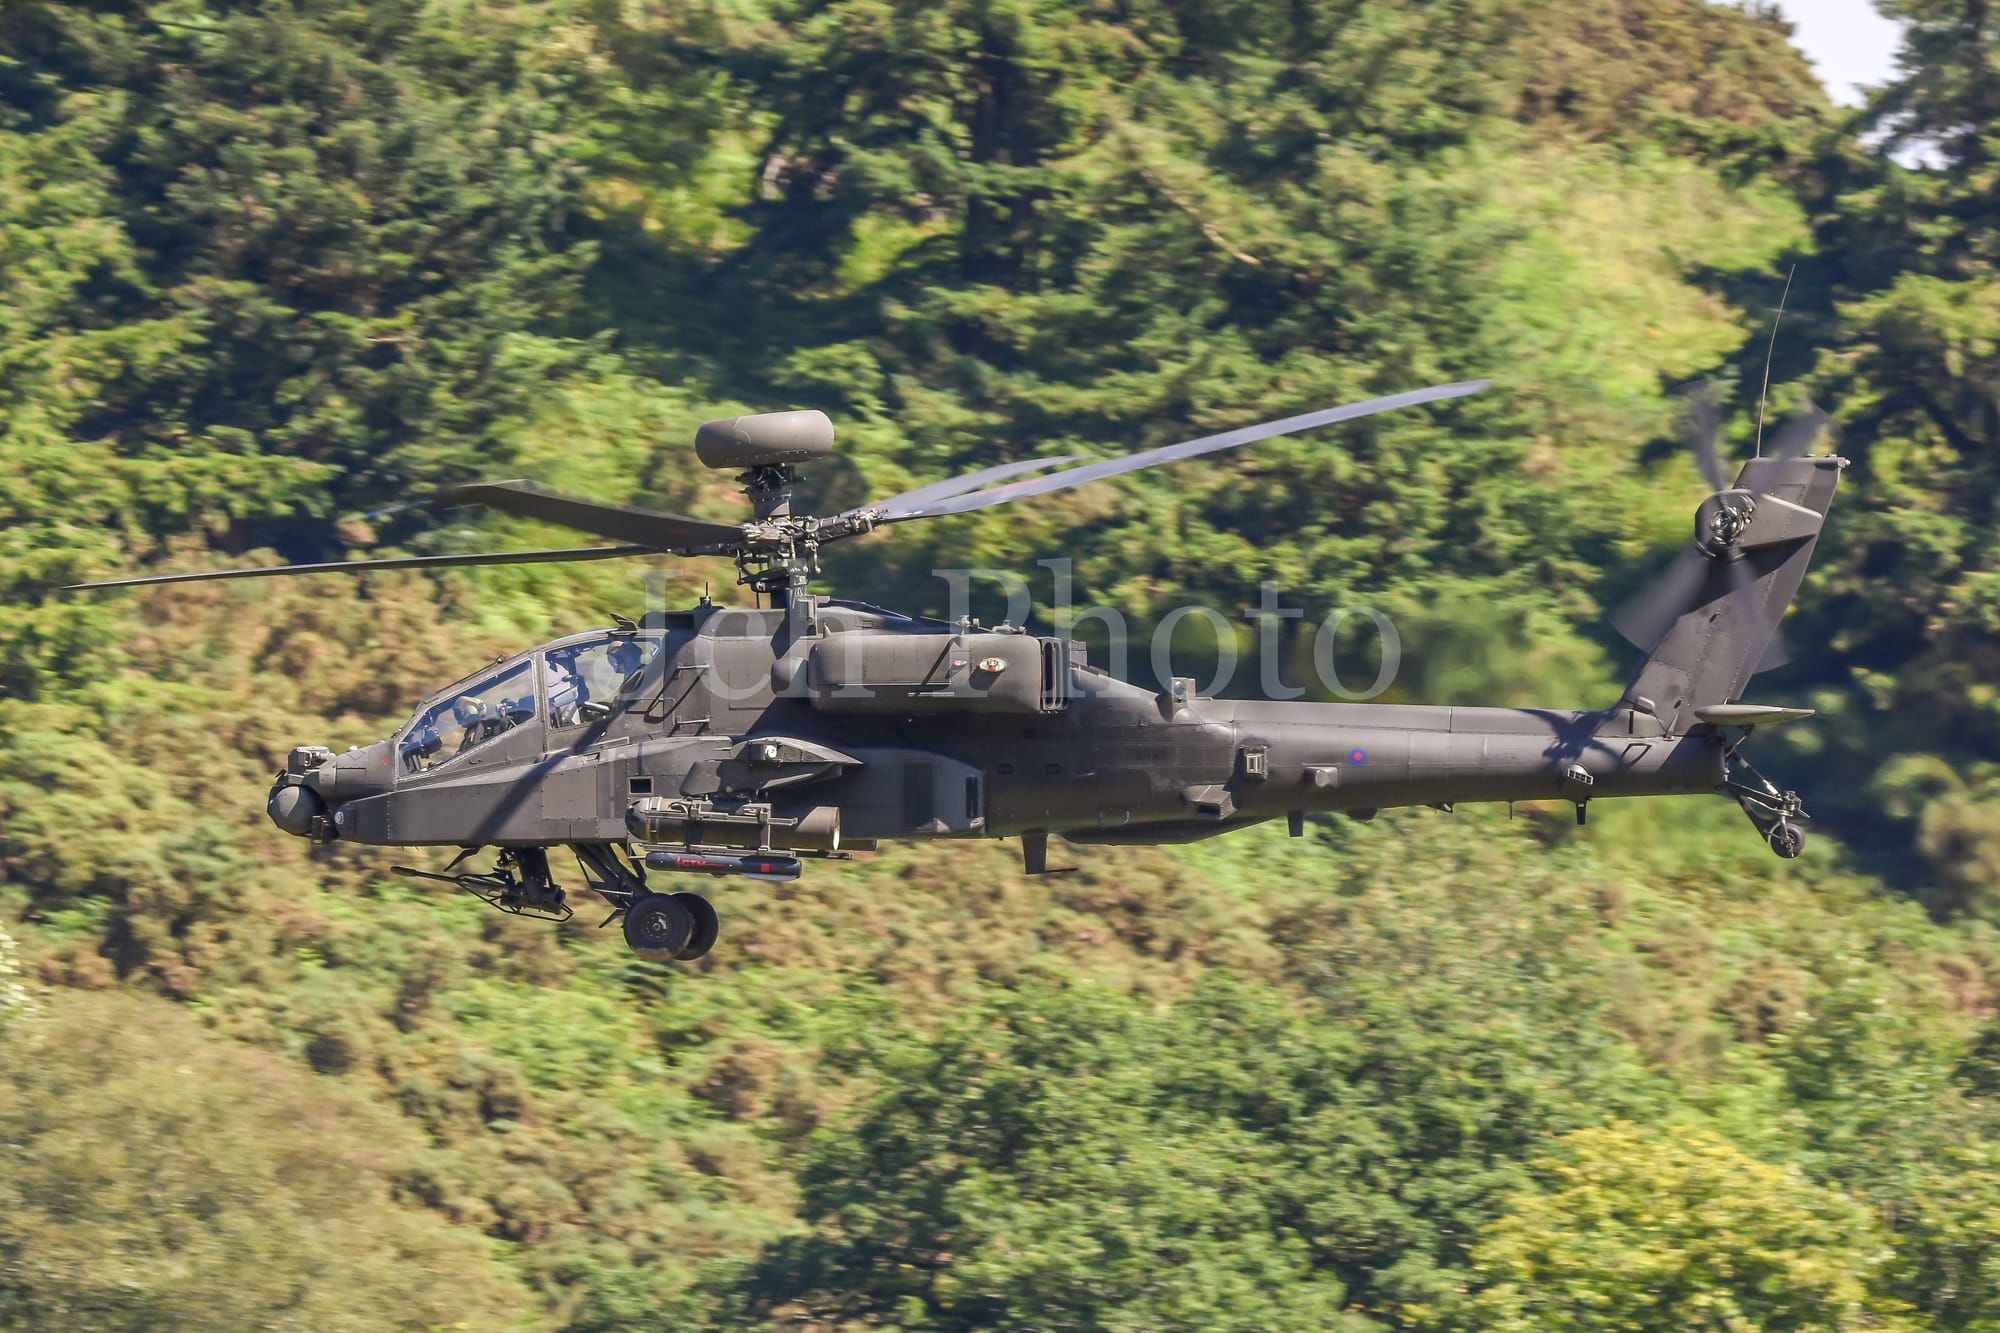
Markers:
1788,840
706,926
657,927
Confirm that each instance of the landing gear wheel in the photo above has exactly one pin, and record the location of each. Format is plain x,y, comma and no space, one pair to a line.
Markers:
658,927
1788,840
705,926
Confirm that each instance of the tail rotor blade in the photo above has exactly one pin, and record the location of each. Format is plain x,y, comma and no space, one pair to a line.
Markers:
1645,617
1704,429
1777,655
1799,434
1743,578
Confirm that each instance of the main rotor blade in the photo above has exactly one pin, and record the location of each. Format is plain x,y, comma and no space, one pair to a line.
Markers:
1112,467
393,562
968,481
625,523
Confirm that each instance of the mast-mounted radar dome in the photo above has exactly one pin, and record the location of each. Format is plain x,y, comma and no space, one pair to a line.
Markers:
767,439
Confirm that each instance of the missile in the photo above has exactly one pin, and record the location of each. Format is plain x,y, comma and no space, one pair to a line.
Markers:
754,865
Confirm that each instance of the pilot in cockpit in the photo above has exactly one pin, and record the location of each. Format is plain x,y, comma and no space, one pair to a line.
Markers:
588,672
627,659
480,720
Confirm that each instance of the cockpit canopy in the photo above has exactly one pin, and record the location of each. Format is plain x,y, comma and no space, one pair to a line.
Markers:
469,717
597,670
554,688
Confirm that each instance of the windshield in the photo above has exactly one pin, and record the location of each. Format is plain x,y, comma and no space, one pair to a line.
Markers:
470,718
598,671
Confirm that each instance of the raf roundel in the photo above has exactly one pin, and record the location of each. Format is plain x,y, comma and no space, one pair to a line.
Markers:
1357,757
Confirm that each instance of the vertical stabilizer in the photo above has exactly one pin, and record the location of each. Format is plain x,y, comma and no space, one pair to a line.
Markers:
1712,619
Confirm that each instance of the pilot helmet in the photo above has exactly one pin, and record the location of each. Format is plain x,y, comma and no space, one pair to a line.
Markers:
626,657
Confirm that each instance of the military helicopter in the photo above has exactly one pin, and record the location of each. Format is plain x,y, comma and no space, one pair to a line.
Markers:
719,741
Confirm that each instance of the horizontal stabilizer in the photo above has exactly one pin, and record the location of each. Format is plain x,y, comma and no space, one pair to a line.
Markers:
1749,715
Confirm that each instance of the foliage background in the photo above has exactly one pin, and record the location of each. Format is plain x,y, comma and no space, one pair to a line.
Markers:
268,267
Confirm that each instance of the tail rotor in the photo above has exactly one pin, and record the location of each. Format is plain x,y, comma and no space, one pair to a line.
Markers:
1719,561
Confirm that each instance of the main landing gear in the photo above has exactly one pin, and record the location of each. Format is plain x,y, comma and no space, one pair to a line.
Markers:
659,927
663,926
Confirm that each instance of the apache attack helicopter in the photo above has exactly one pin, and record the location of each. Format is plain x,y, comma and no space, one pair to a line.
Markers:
719,741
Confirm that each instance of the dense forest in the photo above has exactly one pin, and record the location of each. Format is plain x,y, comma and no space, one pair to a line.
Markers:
272,269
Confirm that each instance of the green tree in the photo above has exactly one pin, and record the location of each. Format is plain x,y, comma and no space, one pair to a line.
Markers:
1042,1162
1063,1156
1910,253
330,235
984,231
1947,1239
269,257
1638,1229
157,1177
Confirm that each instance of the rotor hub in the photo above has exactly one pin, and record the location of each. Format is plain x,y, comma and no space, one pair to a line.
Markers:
781,552
1723,519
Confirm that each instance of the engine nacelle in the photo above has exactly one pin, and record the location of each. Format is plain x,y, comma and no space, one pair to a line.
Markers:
907,675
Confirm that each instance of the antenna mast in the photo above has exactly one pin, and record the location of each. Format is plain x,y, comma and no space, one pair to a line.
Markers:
1764,395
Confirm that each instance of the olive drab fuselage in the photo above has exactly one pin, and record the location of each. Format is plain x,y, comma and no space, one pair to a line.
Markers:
831,725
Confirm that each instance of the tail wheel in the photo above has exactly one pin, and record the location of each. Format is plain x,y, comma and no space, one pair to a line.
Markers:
705,926
658,927
1788,840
